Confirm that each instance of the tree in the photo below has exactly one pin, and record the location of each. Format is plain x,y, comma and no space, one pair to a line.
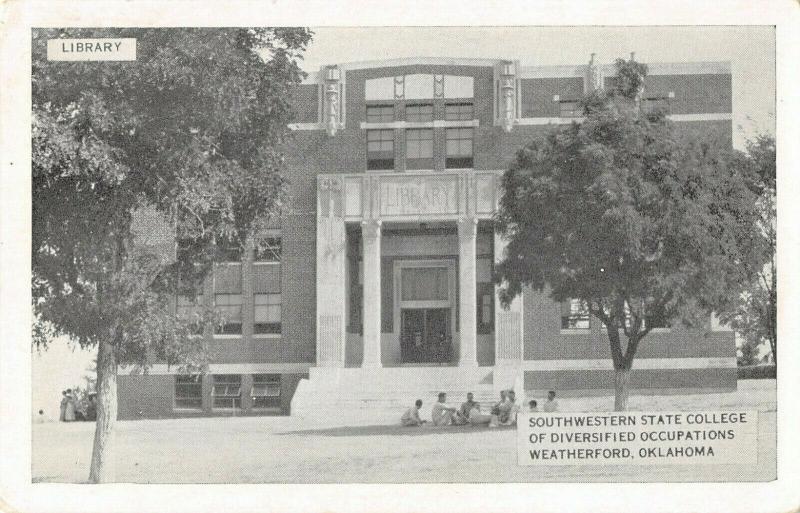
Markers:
755,313
747,354
191,132
620,213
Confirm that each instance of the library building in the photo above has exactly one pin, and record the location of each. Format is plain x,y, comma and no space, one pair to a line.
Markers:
375,288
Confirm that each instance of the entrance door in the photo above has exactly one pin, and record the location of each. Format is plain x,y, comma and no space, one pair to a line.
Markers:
425,335
424,291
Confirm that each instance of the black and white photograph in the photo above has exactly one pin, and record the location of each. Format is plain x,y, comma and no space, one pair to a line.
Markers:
342,255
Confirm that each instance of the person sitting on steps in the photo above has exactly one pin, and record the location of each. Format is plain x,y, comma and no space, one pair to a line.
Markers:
442,413
505,413
551,405
411,416
462,415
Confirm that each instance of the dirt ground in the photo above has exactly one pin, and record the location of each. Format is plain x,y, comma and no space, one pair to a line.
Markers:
288,450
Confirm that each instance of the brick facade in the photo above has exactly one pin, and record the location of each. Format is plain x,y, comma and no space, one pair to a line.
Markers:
700,93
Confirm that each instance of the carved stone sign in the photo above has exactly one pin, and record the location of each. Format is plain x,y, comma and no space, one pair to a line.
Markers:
419,195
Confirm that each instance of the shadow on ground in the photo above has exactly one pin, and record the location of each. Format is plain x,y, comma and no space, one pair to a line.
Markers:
390,430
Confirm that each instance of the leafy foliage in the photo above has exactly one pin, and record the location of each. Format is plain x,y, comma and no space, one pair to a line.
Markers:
629,81
192,130
622,213
755,312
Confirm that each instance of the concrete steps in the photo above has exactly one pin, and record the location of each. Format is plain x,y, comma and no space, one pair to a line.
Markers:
382,395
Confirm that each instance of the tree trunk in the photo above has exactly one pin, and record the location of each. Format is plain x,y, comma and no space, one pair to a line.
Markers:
102,469
773,343
621,389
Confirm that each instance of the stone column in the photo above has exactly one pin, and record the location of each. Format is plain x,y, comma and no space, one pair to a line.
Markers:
371,243
468,290
331,264
507,321
508,336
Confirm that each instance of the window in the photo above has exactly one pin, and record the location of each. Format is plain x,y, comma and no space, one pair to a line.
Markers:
629,318
380,113
574,315
188,392
459,148
657,322
485,308
267,298
267,314
228,298
419,148
380,149
652,321
485,298
266,391
230,307
227,391
186,247
656,104
268,249
458,112
191,311
569,109
424,284
419,112
229,250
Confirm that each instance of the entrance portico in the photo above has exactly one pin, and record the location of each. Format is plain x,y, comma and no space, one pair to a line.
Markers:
405,302
429,326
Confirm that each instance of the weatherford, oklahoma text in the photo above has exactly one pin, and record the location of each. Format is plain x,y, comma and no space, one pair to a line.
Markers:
638,438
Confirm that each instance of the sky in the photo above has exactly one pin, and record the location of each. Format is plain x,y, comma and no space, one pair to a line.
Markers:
750,49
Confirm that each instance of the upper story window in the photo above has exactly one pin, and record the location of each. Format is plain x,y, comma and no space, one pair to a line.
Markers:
229,250
569,109
267,314
190,310
459,148
458,112
380,149
574,315
268,249
230,307
380,113
267,289
228,298
419,148
419,112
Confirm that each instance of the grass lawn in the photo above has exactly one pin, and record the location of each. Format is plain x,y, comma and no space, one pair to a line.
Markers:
289,450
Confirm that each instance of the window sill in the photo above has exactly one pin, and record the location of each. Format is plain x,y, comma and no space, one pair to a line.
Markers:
575,331
438,123
227,337
186,410
654,330
268,335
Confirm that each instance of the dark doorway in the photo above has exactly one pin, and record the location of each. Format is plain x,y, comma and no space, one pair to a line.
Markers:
425,335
